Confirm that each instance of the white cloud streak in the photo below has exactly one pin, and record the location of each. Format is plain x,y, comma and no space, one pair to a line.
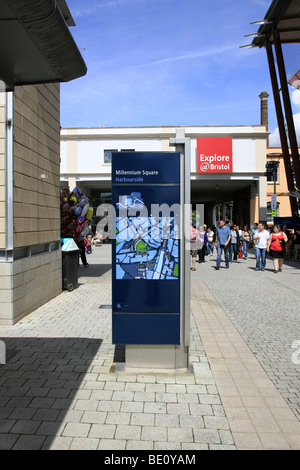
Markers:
205,52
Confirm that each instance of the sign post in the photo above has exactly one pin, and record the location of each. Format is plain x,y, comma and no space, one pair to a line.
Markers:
147,268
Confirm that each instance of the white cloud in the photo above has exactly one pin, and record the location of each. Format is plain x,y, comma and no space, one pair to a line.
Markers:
296,98
191,55
274,138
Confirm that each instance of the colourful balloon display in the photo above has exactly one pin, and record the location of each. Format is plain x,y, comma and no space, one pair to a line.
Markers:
76,214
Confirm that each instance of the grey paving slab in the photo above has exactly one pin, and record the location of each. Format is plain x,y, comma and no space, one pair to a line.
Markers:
265,309
58,387
58,391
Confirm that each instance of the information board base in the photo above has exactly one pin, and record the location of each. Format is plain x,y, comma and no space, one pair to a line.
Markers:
154,359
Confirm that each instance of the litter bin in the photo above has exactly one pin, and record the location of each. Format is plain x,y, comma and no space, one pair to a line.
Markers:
69,264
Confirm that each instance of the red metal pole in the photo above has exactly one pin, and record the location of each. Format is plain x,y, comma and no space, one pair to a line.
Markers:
281,127
287,107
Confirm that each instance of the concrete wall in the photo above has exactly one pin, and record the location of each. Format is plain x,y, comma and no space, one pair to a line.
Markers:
31,273
28,283
36,164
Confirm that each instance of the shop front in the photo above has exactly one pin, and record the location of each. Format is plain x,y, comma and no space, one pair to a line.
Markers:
227,165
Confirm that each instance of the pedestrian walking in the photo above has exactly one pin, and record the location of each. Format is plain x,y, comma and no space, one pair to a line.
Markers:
202,244
80,244
253,232
296,241
234,243
89,244
194,238
276,247
245,240
210,241
261,239
223,237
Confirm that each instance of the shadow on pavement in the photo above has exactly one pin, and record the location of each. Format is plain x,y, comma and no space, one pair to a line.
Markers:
39,382
93,270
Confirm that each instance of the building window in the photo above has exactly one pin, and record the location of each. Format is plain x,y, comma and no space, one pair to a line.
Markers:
107,155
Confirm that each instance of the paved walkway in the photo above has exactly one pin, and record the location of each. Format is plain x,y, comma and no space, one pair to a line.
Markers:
58,391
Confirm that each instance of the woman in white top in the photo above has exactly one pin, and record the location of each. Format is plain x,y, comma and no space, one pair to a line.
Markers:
210,241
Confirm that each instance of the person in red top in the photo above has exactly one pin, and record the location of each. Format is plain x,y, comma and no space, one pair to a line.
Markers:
276,247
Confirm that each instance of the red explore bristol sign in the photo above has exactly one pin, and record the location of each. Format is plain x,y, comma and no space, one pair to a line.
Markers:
214,155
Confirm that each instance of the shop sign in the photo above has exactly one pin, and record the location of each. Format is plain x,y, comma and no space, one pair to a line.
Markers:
214,155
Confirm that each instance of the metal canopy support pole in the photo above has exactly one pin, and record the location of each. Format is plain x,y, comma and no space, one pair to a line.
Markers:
9,197
182,145
281,127
287,107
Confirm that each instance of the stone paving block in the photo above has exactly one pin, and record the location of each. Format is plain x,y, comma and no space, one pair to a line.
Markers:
193,422
128,432
58,391
152,407
93,417
80,443
143,396
180,434
154,433
139,445
165,420
76,430
70,416
112,444
25,427
25,442
207,436
177,408
86,405
215,422
109,406
117,418
143,419
7,441
131,406
103,431
165,446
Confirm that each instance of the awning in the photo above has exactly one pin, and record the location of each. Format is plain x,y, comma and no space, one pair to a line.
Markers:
284,15
36,45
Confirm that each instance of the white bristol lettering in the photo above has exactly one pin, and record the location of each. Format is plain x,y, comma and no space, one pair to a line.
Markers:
214,158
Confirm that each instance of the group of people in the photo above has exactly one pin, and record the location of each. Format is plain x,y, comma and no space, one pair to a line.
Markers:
235,242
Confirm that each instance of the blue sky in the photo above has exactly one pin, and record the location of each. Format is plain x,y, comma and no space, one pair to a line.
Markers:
170,63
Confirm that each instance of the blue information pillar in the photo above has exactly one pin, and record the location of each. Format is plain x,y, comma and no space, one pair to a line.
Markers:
146,266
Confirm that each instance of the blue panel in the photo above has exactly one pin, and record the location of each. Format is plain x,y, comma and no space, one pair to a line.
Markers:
146,253
146,329
145,167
